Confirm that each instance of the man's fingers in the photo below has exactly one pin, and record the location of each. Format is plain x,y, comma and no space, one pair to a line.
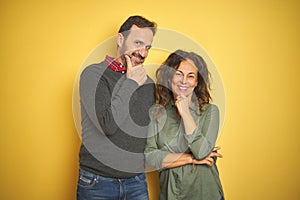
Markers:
128,62
137,73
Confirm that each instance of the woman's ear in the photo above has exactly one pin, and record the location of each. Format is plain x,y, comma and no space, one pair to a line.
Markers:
120,40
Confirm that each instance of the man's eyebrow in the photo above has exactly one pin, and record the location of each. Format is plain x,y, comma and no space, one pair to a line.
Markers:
138,40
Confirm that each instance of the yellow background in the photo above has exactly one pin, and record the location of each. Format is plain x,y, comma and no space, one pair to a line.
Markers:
254,44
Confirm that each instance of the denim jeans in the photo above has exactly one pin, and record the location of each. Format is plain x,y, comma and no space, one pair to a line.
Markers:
94,187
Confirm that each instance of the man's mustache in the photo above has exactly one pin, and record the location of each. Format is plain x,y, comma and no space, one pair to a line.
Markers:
136,54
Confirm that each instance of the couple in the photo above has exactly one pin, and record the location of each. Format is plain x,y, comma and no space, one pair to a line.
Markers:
118,134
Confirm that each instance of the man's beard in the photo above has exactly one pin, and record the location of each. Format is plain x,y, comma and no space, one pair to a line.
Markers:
135,54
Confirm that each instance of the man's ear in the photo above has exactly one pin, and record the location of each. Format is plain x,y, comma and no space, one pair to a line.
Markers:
120,40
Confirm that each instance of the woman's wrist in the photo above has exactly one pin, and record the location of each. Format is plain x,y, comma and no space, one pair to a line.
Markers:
186,115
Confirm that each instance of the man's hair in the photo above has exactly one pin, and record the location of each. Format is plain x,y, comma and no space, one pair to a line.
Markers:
140,22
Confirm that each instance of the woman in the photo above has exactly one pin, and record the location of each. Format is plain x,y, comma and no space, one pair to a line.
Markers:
183,130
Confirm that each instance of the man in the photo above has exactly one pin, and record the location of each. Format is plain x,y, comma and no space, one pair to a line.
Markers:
115,97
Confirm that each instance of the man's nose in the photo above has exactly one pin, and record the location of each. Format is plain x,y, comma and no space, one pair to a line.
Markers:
143,52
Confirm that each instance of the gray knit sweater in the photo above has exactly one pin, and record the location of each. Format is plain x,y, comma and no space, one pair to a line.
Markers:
114,119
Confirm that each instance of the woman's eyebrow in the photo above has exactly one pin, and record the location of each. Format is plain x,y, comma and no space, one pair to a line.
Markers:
183,73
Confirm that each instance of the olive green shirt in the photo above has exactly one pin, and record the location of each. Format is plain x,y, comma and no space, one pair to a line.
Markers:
167,135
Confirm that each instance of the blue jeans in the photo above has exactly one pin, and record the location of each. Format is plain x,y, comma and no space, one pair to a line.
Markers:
94,187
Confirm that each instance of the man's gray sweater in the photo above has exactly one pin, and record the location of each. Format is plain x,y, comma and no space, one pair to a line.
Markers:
114,119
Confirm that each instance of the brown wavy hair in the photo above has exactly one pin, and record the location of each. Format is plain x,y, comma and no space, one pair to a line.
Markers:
164,76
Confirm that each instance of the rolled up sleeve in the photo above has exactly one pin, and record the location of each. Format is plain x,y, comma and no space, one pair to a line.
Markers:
153,154
202,141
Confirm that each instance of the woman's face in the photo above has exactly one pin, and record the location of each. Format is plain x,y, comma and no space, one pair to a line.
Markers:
185,79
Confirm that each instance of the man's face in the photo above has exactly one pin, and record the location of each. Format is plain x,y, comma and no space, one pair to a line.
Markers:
137,44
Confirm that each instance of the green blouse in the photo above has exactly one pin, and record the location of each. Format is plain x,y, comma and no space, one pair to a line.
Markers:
167,134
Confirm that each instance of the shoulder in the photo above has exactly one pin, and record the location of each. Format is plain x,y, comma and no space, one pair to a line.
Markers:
149,80
94,69
211,108
157,112
96,73
91,75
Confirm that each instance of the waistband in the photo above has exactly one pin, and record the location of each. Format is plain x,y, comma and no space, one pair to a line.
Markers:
139,177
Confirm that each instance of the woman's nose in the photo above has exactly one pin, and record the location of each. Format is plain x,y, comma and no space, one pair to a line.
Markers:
183,79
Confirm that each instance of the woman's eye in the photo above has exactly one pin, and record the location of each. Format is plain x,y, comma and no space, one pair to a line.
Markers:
178,74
